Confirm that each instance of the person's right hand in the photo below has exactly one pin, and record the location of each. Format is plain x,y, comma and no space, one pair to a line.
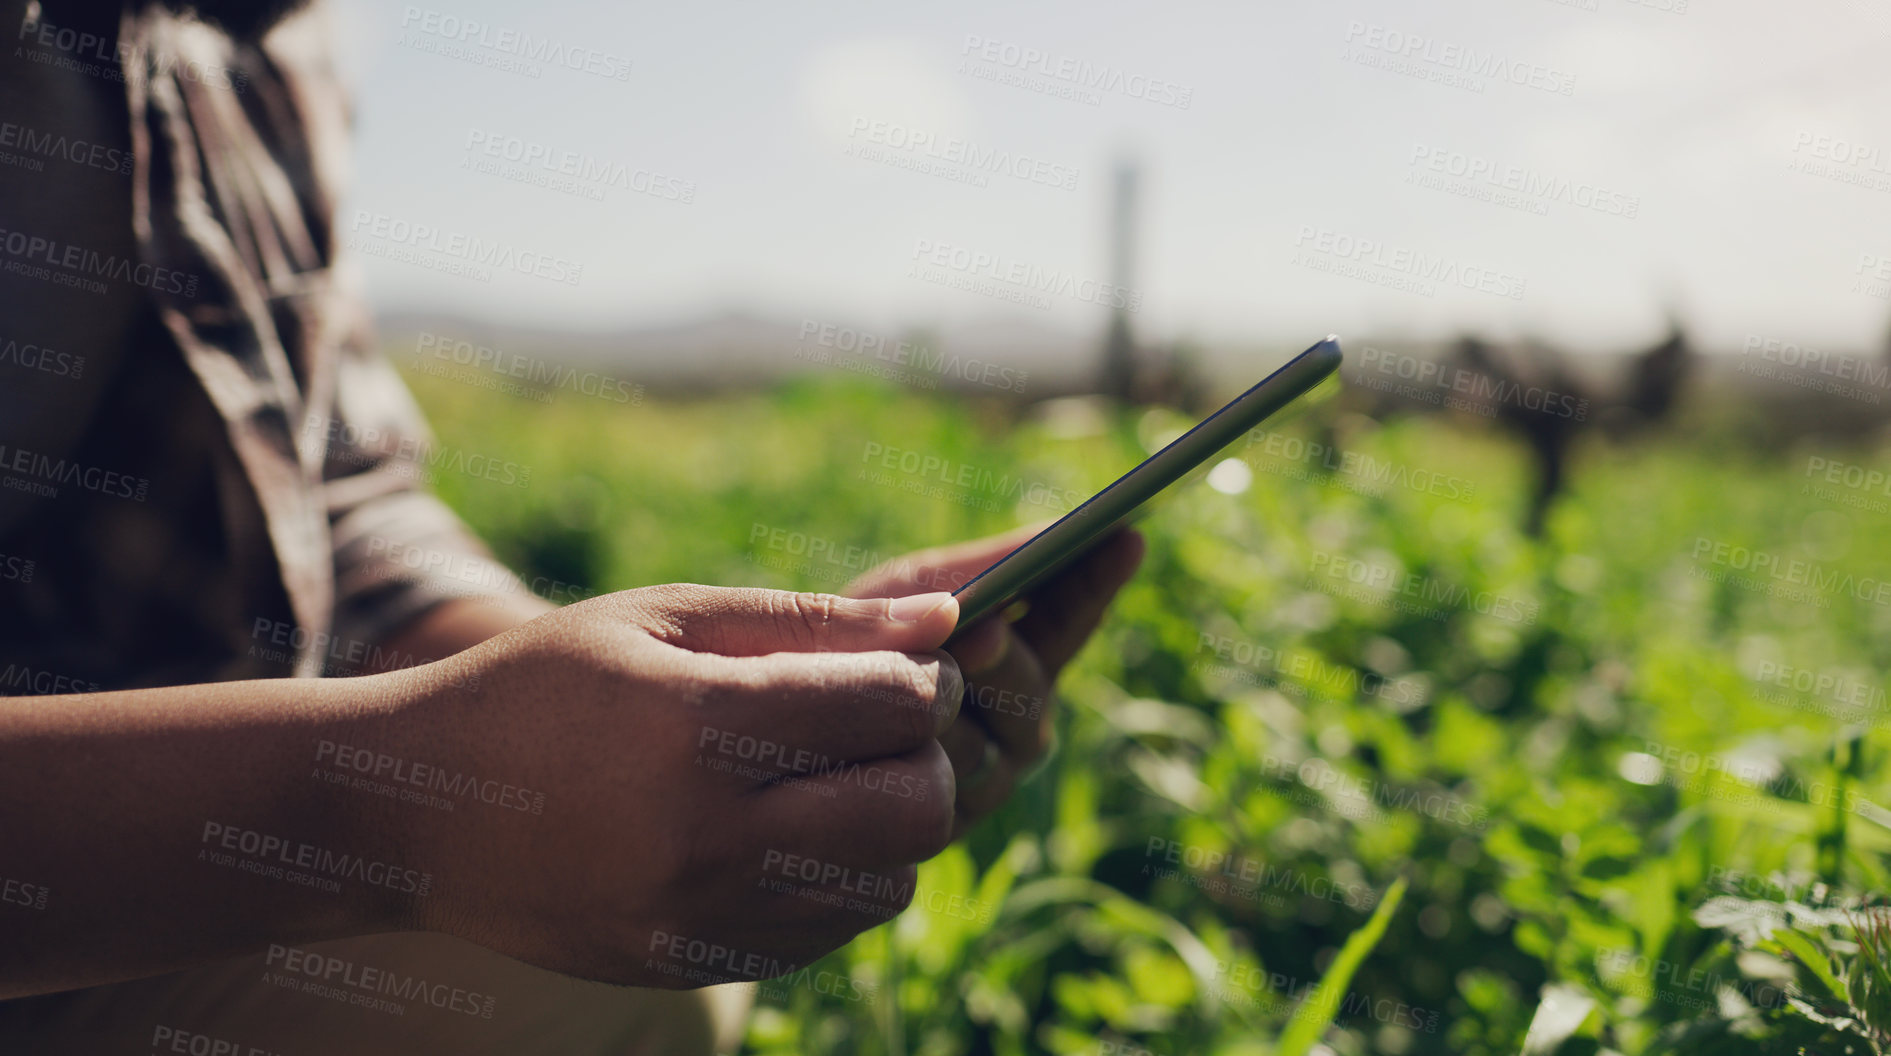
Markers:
735,781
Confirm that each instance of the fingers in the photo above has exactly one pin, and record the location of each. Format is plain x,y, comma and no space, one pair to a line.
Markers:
877,814
981,773
940,568
834,902
1065,610
1004,725
798,712
982,645
1010,701
753,622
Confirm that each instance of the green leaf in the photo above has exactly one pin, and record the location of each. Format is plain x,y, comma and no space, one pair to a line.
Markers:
1316,1010
1559,1014
1802,946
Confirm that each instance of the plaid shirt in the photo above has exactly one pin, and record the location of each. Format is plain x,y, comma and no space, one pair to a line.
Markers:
233,493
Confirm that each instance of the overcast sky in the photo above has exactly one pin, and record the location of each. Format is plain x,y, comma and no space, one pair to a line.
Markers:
1320,175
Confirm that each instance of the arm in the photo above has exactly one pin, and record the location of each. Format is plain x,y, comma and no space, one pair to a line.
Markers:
460,624
108,799
638,822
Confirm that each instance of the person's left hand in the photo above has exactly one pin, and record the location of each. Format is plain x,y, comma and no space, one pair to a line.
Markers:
1005,724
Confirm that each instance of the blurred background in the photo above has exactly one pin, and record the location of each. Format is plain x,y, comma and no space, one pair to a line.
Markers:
1523,692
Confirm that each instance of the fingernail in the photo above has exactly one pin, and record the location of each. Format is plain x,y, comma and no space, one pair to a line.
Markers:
914,608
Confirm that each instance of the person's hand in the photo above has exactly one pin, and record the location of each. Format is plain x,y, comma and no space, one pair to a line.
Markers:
1005,725
734,782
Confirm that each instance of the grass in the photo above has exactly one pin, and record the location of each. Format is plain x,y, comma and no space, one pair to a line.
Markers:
1338,710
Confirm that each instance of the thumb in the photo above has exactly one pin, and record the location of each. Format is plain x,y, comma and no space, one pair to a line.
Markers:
745,621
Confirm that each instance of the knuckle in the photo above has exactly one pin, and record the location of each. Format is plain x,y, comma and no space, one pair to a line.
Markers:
817,611
900,682
929,817
803,618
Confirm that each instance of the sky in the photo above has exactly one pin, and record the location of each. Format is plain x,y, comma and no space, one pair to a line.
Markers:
1573,171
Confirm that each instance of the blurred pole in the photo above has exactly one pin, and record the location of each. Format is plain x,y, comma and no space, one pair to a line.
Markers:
1118,376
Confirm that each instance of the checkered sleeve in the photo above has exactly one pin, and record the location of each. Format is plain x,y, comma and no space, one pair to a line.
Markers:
399,550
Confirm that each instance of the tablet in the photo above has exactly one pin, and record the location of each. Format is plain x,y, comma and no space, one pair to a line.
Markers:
1075,532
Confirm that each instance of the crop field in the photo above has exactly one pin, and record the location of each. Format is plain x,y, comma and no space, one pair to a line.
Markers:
1355,765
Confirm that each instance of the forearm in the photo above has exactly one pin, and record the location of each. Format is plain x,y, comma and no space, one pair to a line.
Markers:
172,827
